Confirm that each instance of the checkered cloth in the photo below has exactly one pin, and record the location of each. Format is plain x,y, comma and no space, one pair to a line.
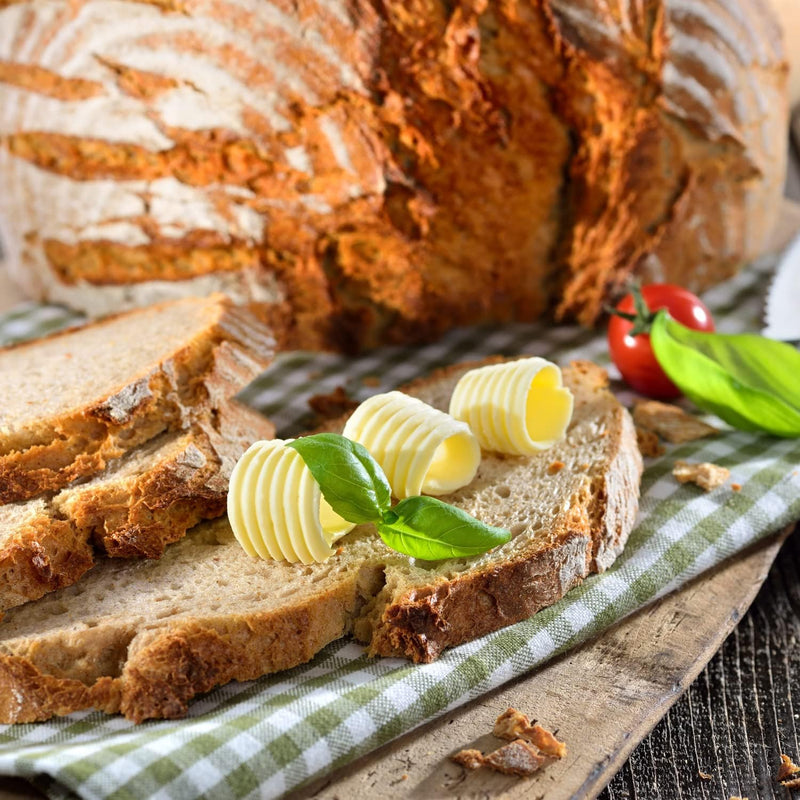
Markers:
264,738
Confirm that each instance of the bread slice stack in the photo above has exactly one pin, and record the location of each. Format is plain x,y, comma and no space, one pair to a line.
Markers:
144,637
119,436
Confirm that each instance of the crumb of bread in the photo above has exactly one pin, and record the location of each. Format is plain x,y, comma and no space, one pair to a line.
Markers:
531,746
670,422
649,446
555,467
513,724
705,475
469,759
704,775
786,769
332,405
583,467
736,487
517,758
736,797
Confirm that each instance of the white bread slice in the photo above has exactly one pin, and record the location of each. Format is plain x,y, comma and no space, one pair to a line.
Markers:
71,401
137,506
145,637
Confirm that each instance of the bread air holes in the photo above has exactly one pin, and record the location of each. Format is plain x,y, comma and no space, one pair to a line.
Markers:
502,491
517,529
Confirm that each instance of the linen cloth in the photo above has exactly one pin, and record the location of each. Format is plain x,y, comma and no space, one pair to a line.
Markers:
264,738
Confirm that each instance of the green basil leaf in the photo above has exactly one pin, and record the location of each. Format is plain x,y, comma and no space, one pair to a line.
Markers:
351,481
426,528
750,381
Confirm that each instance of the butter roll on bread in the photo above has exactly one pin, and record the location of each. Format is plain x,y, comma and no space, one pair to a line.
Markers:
144,637
74,400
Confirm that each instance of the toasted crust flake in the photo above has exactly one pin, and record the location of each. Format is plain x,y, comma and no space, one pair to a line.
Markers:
518,758
670,422
705,475
513,724
787,768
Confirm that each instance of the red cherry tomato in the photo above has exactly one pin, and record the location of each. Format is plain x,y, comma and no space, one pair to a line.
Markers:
633,355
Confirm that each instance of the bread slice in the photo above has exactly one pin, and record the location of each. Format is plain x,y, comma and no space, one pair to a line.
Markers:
145,637
71,401
137,506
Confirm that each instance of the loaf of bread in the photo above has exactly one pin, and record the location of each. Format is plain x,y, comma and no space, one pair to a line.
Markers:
380,170
144,637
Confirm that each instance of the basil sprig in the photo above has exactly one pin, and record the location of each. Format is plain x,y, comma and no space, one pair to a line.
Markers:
355,487
750,381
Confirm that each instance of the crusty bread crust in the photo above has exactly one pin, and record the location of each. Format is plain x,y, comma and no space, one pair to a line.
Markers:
44,556
378,595
216,362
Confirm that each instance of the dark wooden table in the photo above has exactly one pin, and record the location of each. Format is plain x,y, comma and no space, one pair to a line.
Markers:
724,737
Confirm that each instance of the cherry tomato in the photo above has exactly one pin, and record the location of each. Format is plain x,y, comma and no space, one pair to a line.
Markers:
633,355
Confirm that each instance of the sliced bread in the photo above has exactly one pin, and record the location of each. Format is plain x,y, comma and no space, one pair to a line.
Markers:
137,506
144,637
71,401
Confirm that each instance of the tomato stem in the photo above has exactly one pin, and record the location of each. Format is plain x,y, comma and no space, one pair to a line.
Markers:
643,318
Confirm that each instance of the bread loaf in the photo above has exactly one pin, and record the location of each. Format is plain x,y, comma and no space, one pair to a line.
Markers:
379,170
144,637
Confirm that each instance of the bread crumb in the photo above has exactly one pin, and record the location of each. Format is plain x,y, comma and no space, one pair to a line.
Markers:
332,405
791,783
518,758
704,775
736,797
705,475
513,724
670,422
404,776
531,747
555,467
649,446
583,466
469,759
786,769
736,487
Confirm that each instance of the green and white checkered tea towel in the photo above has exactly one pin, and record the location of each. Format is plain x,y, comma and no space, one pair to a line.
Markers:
262,739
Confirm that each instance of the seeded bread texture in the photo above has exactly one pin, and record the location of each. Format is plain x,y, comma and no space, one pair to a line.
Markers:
74,400
145,637
137,506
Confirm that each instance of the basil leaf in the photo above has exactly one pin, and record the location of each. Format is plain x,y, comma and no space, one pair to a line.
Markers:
351,481
426,528
750,381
